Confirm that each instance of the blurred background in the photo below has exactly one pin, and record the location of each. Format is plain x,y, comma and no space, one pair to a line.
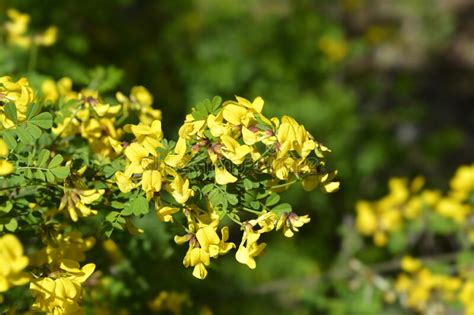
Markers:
387,85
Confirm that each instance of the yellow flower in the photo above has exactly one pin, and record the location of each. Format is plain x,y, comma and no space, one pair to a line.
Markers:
69,245
6,167
61,292
141,95
466,296
403,283
452,208
165,214
463,182
327,184
76,202
179,189
124,180
52,90
210,241
366,221
191,128
151,182
20,93
249,248
149,137
243,111
232,149
291,222
283,167
249,136
136,153
140,100
267,222
47,38
177,159
204,242
224,177
399,191
199,259
410,264
216,125
19,22
12,263
17,27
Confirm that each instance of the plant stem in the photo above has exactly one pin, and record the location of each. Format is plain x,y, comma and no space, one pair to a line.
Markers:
33,57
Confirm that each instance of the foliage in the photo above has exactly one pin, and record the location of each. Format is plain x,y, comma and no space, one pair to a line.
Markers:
110,163
385,84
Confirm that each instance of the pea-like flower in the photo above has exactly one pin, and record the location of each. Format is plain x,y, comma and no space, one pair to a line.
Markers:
6,167
77,201
12,263
61,291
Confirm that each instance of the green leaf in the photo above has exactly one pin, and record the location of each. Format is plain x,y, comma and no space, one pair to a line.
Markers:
33,130
117,204
465,260
10,139
50,177
32,110
137,206
255,205
440,224
56,161
39,174
112,216
216,103
397,242
10,112
24,135
12,225
232,199
218,198
43,120
7,207
28,173
60,172
43,157
272,200
207,189
282,208
248,184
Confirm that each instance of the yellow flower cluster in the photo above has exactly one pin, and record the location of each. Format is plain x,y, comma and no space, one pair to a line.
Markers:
419,287
17,31
91,118
141,101
203,240
12,263
406,202
61,291
76,201
382,217
19,93
71,245
423,290
458,204
95,120
234,135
